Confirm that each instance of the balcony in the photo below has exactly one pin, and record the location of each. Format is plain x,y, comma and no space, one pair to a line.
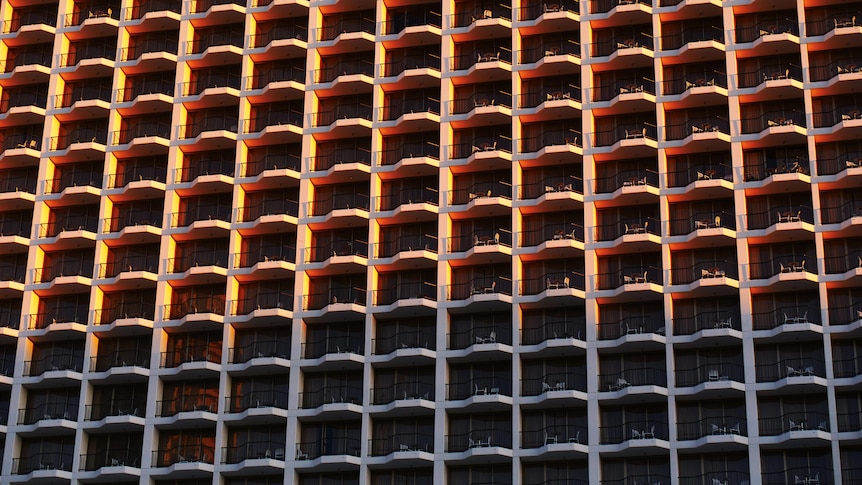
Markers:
628,134
95,135
630,226
128,263
187,403
183,454
399,442
52,461
60,315
134,218
633,431
700,129
554,330
198,257
334,446
549,186
201,212
48,411
425,290
842,117
480,238
847,160
209,124
538,9
64,362
793,422
257,399
210,38
120,358
707,321
780,215
100,53
495,59
11,271
492,387
480,288
413,64
799,475
276,75
338,202
706,273
33,16
712,426
626,89
71,222
479,438
555,381
63,268
774,119
111,457
343,158
549,50
844,315
405,390
702,221
767,29
621,381
109,315
806,315
191,353
331,73
266,254
210,80
142,129
551,140
340,344
634,325
707,83
296,30
253,450
403,340
347,23
344,393
107,10
786,267
152,88
790,368
494,151
704,374
551,281
270,300
479,335
195,305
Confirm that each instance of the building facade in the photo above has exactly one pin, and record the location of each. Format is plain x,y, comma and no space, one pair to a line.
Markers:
413,242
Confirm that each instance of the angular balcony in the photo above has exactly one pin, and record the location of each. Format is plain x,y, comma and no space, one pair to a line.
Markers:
334,446
780,215
352,22
149,86
30,16
693,32
494,285
59,362
700,128
397,442
269,300
206,123
100,50
786,315
47,460
273,117
64,267
645,376
477,12
488,386
24,97
63,313
549,185
195,305
253,450
478,335
647,323
343,67
559,433
848,113
827,71
337,202
143,127
165,457
712,426
843,262
554,280
792,422
626,132
27,59
415,63
276,31
549,233
764,74
129,262
134,217
197,257
18,180
553,329
344,344
400,20
631,226
407,339
257,399
488,58
772,119
715,372
108,315
149,45
714,320
273,75
551,49
705,271
479,438
494,149
48,411
766,29
790,368
481,237
74,175
620,42
120,358
111,457
630,276
344,393
801,474
207,38
574,380
534,10
693,173
633,430
549,140
845,315
86,132
342,158
845,160
426,290
702,221
201,212
261,349
208,79
97,10
345,110
632,85
69,222
695,82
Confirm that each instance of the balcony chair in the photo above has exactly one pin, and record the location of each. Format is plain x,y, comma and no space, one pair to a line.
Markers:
793,426
823,426
636,434
300,455
550,440
713,375
622,383
797,480
851,22
716,481
279,454
808,371
576,438
479,391
545,387
487,14
793,372
815,480
735,429
491,289
716,429
649,434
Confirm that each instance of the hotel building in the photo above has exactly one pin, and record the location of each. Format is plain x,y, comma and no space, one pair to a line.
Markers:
416,242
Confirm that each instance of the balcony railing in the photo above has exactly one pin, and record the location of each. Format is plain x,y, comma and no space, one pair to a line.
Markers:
69,223
772,119
555,280
343,111
265,254
413,17
401,442
276,74
133,218
762,29
802,475
846,112
190,353
232,38
789,263
694,126
65,410
425,195
630,226
198,304
403,340
786,315
60,362
120,358
141,130
344,68
481,144
140,88
716,372
187,403
77,178
253,450
79,135
88,51
789,368
689,34
417,289
264,301
341,344
535,98
330,395
336,445
105,316
479,438
322,207
42,461
68,314
790,164
537,9
47,16
202,212
609,91
502,189
480,237
491,285
15,225
682,84
147,46
845,315
27,58
549,49
775,72
215,80
128,263
712,426
331,30
555,329
342,156
484,56
471,13
257,399
721,319
844,161
841,213
702,220
95,11
269,207
553,435
647,323
416,61
850,367
780,214
625,131
209,123
699,172
479,334
273,117
575,380
22,98
829,70
183,454
793,421
396,109
338,247
548,138
634,41
495,385
317,301
645,376
260,349
633,430
404,390
196,258
282,32
110,457
12,272
345,393
704,270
